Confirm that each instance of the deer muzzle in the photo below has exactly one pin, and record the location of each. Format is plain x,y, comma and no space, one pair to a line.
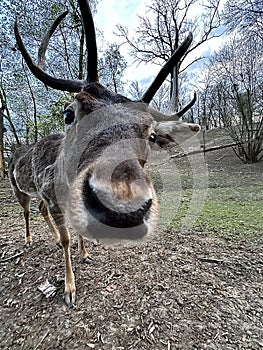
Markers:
113,211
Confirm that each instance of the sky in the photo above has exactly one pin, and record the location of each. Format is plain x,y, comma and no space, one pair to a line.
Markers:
124,12
112,12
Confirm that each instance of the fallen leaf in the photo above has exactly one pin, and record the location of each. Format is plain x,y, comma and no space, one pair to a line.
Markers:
111,287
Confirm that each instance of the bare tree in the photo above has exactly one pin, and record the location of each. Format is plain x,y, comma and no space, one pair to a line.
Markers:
244,15
236,86
112,67
6,113
2,167
135,90
157,38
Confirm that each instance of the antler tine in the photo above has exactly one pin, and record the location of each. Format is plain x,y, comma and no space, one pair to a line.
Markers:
90,35
188,106
55,83
44,44
159,116
167,68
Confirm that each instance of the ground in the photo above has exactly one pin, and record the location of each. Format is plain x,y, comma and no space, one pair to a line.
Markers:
194,289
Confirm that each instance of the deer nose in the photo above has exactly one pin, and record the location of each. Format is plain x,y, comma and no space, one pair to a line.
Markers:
126,217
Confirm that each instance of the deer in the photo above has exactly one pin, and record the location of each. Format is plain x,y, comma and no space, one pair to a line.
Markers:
93,175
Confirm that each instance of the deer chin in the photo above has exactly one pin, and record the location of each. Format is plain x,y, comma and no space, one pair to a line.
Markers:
92,216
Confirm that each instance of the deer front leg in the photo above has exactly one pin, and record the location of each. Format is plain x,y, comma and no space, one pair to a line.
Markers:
70,289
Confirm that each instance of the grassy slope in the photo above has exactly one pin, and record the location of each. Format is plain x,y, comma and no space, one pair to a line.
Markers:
234,202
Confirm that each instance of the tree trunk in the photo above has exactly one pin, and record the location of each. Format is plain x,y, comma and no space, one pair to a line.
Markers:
174,93
2,165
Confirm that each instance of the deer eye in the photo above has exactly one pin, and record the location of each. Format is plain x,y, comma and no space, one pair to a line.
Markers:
69,116
152,137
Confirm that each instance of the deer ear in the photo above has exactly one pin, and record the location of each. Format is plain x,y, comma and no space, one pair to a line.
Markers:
174,132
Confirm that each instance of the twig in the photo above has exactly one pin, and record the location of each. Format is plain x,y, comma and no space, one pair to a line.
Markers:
211,260
11,257
41,341
215,148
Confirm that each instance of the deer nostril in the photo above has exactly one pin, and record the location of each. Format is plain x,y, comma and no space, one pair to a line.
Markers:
146,206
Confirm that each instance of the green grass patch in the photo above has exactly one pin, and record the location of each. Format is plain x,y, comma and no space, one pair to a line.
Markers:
236,194
240,219
235,219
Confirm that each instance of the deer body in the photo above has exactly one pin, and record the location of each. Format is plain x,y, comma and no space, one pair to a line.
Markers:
31,173
94,173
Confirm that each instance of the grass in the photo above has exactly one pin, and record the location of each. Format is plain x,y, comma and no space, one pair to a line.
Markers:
236,219
232,218
233,206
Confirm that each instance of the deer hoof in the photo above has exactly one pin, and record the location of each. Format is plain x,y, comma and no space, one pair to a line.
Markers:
88,260
69,298
28,244
59,245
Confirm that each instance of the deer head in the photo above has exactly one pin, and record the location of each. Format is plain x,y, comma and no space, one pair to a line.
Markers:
99,176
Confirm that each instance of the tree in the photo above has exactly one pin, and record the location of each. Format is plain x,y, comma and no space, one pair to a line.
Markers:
244,15
135,90
236,88
27,101
161,32
112,66
159,101
6,113
2,167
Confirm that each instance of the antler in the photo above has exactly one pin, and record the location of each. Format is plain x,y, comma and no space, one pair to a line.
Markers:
90,35
65,84
158,116
167,68
188,106
92,59
44,44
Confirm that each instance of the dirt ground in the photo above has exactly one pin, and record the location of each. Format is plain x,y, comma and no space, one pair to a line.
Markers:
179,291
